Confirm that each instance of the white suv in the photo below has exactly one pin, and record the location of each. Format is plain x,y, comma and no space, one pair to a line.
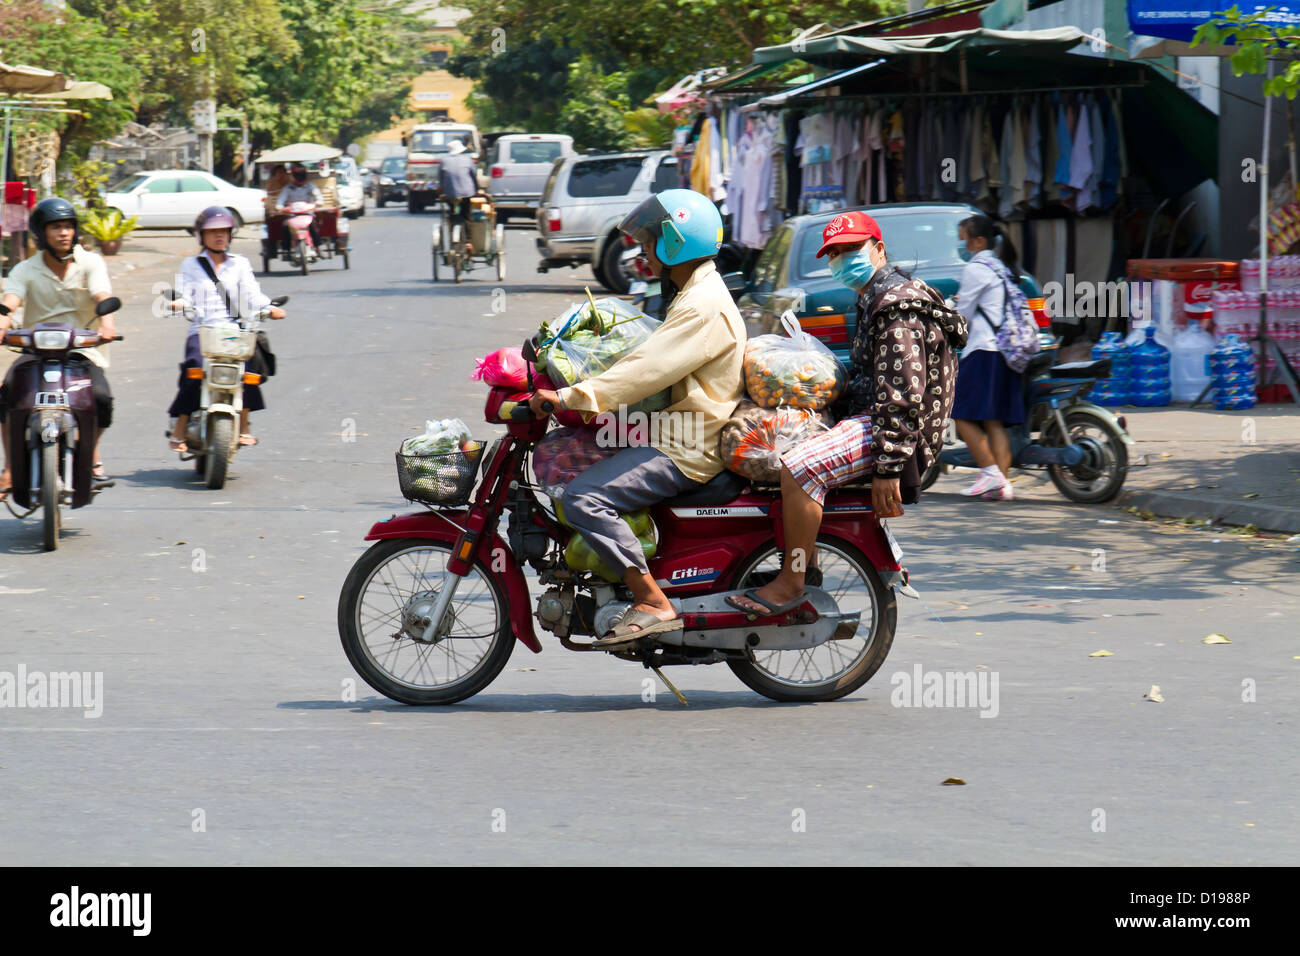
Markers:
584,200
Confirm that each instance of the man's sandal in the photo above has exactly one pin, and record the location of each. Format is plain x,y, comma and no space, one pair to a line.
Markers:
252,439
645,625
769,609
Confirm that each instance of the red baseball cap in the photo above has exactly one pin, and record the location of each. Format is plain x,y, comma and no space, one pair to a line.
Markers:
847,228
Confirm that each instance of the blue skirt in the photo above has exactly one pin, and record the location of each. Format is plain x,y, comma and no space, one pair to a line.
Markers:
987,390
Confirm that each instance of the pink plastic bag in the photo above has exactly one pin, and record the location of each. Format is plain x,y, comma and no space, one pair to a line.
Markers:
504,367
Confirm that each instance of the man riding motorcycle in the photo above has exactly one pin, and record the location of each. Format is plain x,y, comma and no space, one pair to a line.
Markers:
698,352
63,283
219,286
299,191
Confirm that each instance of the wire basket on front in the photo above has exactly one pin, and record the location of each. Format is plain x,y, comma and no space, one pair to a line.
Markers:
439,479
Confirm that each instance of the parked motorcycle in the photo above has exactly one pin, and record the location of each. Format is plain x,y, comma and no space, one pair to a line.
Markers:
53,423
431,612
1084,447
212,436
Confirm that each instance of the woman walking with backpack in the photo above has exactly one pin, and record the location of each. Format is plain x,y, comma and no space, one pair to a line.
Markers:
990,394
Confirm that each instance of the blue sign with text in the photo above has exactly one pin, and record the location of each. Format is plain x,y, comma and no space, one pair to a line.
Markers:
1178,19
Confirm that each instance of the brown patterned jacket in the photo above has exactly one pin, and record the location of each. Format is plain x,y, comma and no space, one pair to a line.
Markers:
904,354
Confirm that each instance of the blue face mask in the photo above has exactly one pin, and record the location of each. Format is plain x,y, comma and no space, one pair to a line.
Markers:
963,253
854,270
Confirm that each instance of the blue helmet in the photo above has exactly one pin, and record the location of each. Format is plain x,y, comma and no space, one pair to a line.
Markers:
681,225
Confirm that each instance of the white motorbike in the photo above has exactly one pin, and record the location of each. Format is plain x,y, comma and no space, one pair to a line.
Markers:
213,434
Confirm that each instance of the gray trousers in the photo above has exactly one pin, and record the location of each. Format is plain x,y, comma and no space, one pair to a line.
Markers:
635,478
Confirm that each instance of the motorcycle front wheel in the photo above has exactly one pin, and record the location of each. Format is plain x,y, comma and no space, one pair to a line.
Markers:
50,494
221,436
1101,474
836,668
383,611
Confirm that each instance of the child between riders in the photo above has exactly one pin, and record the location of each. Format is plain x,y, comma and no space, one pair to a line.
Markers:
698,352
905,368
229,289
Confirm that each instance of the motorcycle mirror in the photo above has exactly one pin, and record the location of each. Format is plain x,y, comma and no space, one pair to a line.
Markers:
529,349
111,304
279,300
171,295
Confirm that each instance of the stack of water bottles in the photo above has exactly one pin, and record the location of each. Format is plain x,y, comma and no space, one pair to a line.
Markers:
1150,363
1118,388
1232,368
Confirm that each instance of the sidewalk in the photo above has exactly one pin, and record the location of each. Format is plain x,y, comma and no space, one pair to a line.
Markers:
1236,467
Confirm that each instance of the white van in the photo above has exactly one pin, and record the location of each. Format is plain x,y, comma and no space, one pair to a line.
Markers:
517,165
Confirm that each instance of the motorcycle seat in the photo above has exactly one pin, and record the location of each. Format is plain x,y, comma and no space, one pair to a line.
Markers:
723,488
1039,362
1098,369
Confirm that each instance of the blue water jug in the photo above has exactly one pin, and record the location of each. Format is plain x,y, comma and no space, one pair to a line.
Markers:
1151,384
1231,367
1118,388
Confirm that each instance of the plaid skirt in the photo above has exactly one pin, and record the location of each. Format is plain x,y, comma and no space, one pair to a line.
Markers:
832,458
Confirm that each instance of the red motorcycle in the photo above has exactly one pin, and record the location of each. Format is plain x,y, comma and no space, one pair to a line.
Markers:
431,612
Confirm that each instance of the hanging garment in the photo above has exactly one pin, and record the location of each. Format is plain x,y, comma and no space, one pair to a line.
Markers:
1033,158
1108,191
1051,150
793,171
992,164
1097,126
1019,161
963,155
877,183
1082,176
717,191
701,162
1007,143
978,185
1064,145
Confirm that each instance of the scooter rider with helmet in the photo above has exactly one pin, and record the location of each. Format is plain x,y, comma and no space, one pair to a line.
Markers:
63,283
218,286
698,353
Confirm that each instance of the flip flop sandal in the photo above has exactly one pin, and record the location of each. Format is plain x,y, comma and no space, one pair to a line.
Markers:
177,444
247,444
770,609
98,467
646,624
812,578
4,492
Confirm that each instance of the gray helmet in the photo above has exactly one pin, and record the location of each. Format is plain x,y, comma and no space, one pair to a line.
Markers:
54,209
214,217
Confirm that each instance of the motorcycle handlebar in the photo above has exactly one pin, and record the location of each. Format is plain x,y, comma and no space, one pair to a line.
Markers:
522,413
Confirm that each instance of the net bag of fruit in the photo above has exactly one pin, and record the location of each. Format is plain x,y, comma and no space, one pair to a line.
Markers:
793,369
755,438
588,337
565,453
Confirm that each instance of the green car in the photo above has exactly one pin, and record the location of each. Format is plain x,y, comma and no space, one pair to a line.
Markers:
920,238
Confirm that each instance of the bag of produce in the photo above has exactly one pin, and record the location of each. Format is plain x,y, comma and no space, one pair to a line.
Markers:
504,367
589,337
580,557
441,463
755,438
565,453
439,438
796,370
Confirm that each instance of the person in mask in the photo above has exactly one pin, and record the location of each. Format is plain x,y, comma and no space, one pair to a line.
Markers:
892,414
299,190
990,395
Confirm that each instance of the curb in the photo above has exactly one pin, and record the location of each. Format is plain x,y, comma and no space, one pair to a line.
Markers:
1171,504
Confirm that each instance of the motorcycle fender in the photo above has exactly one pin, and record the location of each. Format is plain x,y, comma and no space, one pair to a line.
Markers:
492,551
219,409
1111,419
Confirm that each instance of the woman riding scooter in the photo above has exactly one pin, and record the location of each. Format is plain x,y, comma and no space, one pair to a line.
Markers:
219,286
905,355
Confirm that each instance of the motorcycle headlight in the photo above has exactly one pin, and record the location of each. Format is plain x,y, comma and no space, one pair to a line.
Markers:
223,376
52,339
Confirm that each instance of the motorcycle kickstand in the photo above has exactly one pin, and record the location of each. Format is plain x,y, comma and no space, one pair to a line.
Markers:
669,685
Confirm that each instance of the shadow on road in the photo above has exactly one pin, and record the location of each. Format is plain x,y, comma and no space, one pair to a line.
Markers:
557,703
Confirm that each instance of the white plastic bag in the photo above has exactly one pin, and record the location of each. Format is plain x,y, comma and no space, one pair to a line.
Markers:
793,369
440,438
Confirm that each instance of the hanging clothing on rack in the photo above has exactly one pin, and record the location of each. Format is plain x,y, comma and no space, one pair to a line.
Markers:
1108,192
1033,157
1082,176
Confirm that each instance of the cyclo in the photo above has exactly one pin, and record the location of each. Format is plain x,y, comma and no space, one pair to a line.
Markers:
479,239
331,224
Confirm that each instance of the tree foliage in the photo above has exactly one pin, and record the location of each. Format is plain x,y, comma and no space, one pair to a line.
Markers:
1256,44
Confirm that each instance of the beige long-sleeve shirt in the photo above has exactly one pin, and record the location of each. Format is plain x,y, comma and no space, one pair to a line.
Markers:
698,352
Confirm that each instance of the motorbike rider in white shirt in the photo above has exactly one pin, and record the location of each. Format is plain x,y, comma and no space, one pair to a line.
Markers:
215,228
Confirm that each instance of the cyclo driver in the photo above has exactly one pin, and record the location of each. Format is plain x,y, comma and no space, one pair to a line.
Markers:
698,353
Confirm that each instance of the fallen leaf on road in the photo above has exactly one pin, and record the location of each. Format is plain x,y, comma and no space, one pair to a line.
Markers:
1154,694
1215,639
1211,486
1079,567
1166,455
302,597
523,669
954,782
1106,521
1253,494
178,544
1101,653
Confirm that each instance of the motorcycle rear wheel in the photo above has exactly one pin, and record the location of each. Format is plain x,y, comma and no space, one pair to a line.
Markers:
385,593
1102,473
50,495
840,667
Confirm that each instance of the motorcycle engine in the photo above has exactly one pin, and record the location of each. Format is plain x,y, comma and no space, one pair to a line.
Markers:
553,610
608,615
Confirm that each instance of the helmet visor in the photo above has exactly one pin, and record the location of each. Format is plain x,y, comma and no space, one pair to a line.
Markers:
645,222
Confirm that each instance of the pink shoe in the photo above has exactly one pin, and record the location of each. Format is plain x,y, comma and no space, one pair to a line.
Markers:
1000,494
983,483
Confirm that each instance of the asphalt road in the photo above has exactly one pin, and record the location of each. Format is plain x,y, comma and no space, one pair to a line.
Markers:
224,738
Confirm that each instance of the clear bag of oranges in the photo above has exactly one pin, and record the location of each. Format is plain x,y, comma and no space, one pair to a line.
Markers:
794,369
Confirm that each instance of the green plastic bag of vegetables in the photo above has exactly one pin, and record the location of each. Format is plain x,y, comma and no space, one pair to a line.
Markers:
589,337
580,557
